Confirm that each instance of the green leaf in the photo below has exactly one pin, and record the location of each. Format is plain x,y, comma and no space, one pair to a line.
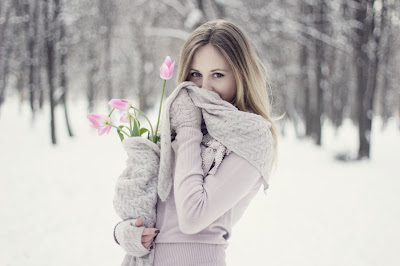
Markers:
143,130
121,136
136,127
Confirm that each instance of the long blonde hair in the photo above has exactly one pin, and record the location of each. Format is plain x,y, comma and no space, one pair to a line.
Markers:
250,73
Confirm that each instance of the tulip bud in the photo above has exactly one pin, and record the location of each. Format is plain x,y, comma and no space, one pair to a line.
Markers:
167,68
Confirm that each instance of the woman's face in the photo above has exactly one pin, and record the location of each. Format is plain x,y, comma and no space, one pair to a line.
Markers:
210,70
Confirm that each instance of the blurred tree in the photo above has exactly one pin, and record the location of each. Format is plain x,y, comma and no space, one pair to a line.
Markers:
31,12
6,10
321,21
327,60
52,13
367,61
108,16
63,53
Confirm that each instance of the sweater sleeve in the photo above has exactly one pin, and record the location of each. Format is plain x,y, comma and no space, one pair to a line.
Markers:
199,202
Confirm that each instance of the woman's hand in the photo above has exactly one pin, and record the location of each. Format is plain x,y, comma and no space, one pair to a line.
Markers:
134,237
184,113
148,235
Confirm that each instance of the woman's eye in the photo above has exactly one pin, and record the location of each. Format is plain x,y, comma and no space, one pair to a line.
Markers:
218,75
195,74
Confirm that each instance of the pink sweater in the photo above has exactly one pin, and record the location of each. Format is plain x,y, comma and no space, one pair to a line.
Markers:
196,220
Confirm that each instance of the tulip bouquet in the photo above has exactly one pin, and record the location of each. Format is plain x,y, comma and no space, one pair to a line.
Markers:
103,123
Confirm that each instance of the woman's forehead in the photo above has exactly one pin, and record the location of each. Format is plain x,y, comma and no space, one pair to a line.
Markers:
209,58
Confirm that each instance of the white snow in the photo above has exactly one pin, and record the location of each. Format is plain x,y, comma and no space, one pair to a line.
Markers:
56,202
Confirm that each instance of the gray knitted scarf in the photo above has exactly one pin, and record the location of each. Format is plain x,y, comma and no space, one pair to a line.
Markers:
244,133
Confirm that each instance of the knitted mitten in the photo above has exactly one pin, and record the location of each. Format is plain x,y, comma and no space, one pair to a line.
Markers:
183,112
129,237
136,191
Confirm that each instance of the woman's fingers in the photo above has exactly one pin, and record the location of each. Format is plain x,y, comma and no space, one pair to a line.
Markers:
139,221
147,240
148,236
147,244
146,231
149,231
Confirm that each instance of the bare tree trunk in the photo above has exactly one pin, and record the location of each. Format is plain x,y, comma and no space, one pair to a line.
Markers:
361,62
20,55
320,25
63,67
339,88
42,58
108,40
387,53
366,74
40,83
50,35
92,71
307,110
31,27
5,51
107,11
107,65
306,10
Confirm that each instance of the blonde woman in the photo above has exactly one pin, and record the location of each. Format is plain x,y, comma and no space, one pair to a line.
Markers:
212,184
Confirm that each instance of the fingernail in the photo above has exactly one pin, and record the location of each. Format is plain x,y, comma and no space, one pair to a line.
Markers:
157,231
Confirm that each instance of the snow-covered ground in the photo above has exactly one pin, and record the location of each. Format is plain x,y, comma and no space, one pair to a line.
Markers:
56,201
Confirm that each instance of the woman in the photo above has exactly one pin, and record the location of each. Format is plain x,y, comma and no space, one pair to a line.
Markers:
196,220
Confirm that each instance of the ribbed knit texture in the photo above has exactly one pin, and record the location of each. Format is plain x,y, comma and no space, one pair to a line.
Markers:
189,254
201,210
218,232
244,133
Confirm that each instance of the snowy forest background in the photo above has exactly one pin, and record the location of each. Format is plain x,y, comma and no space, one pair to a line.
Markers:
327,60
333,67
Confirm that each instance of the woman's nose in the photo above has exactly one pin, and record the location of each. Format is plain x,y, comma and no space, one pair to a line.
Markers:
206,85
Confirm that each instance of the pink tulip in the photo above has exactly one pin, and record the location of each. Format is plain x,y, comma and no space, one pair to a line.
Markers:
167,68
120,104
124,118
99,122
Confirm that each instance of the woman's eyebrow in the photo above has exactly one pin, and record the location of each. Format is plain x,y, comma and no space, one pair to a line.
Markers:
217,69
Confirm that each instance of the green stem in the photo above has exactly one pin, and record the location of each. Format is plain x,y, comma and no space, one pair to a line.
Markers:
111,111
118,129
130,123
151,127
159,110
